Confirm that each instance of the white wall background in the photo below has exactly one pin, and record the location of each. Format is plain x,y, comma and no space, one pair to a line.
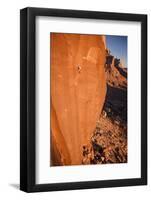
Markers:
9,99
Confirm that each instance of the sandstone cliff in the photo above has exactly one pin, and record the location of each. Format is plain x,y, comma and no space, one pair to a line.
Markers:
78,90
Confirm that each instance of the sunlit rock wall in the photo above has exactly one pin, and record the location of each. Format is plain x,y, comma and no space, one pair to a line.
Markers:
78,89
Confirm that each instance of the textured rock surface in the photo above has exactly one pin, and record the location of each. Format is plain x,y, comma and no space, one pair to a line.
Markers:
78,89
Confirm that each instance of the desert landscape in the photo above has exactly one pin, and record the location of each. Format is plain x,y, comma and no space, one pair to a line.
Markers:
88,101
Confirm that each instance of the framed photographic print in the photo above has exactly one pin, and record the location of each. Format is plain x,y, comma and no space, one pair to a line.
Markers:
83,99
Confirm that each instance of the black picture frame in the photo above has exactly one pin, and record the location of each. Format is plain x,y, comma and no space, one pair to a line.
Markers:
28,98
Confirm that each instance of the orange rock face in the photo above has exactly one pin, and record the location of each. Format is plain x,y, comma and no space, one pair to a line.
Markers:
78,89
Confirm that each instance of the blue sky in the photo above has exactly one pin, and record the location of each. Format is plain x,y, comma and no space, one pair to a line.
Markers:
118,47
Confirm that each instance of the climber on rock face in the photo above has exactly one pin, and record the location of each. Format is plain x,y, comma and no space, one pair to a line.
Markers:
79,68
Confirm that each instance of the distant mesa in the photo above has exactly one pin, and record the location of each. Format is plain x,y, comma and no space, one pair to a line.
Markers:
115,71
